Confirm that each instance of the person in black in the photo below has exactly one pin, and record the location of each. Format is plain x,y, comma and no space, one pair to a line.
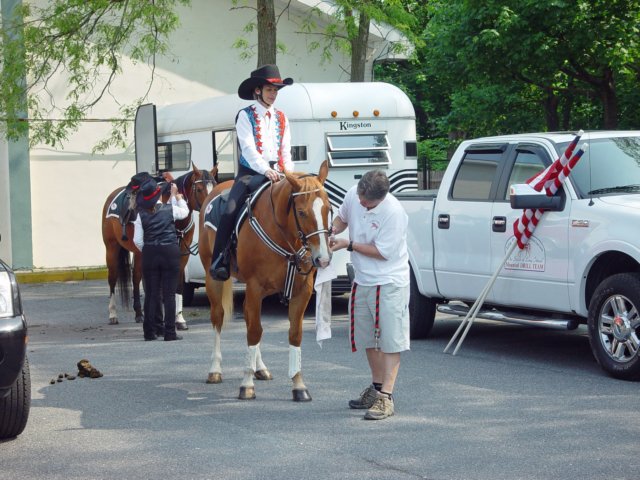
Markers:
155,236
264,141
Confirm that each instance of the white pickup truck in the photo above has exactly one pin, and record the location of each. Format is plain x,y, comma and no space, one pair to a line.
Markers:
582,264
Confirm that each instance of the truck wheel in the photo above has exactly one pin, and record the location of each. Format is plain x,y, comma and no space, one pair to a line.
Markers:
14,408
422,312
188,289
614,325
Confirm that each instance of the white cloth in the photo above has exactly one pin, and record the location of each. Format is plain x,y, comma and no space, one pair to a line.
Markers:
384,226
244,131
323,302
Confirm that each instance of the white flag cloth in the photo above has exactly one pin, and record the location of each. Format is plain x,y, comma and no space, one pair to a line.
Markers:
323,302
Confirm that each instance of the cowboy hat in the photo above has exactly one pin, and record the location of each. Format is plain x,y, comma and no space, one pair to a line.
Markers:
148,194
265,75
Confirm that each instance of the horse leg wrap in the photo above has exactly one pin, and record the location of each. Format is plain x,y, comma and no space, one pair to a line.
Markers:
179,318
250,365
216,355
295,360
113,315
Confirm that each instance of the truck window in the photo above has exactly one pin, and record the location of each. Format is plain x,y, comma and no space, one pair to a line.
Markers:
475,176
358,149
174,156
526,166
223,154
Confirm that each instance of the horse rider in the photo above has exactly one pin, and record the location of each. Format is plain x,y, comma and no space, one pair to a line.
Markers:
264,139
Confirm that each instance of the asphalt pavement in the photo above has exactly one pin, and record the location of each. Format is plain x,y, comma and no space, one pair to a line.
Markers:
514,403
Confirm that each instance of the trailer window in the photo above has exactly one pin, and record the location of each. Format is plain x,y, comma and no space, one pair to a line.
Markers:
347,150
299,153
223,154
174,156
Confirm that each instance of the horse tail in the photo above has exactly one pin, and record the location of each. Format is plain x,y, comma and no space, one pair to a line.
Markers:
124,276
227,301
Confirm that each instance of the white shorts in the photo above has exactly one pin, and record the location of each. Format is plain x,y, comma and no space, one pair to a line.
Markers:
393,317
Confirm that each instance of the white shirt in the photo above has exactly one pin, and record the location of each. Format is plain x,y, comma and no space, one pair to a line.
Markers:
268,131
180,211
384,226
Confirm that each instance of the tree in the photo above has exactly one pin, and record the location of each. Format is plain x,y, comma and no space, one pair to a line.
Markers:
348,31
84,41
266,25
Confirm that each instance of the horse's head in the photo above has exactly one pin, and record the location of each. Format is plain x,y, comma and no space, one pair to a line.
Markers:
196,185
309,213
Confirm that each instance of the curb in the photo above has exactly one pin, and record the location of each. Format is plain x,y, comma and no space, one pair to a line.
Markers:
61,276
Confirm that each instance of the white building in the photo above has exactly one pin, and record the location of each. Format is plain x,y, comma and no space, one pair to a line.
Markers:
68,187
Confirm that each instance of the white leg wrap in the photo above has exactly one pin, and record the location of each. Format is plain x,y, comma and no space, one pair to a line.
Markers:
216,355
259,363
250,366
112,307
295,361
179,317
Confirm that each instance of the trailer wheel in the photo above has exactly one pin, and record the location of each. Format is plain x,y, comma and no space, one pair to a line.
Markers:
188,289
14,408
614,325
422,312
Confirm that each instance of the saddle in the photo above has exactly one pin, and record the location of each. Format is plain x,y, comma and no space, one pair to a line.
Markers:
215,209
123,206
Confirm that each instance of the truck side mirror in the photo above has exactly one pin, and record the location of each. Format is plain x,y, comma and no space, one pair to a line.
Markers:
522,195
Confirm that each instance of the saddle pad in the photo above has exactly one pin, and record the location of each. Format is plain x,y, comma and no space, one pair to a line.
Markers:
214,210
119,204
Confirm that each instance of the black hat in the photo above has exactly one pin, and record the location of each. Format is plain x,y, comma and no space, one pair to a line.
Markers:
148,194
267,74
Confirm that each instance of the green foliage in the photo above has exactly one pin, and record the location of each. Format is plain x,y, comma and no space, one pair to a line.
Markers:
81,43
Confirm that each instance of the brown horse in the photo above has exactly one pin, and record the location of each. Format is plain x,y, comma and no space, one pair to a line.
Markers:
292,216
195,186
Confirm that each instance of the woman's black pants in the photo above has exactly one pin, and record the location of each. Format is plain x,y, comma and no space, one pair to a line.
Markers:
160,268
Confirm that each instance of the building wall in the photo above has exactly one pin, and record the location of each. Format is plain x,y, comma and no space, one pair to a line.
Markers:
69,186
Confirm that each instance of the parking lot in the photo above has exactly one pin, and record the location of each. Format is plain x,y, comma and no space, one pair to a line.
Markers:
514,403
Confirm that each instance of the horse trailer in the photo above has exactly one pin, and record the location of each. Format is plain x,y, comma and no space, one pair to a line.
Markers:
356,126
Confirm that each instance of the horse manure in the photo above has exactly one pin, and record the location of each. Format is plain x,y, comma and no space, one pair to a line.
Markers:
85,369
53,381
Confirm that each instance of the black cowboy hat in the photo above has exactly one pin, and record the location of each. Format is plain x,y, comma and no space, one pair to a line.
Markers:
265,75
148,194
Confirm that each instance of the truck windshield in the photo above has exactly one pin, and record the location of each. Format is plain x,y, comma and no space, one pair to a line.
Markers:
608,167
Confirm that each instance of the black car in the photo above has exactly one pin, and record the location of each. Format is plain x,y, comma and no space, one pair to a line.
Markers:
15,381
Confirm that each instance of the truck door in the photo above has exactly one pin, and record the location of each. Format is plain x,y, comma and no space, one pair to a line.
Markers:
146,139
461,230
536,276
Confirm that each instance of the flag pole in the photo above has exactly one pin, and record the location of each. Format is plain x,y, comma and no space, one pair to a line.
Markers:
480,300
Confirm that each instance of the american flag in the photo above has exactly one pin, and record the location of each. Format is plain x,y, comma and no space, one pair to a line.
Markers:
550,180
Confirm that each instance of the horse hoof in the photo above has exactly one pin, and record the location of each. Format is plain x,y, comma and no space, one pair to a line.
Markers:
214,378
181,326
139,318
263,375
113,321
247,393
301,395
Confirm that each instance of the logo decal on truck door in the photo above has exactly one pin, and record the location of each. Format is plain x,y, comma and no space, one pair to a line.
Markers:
531,258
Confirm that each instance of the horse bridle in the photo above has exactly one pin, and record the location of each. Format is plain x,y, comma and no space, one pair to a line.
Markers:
191,195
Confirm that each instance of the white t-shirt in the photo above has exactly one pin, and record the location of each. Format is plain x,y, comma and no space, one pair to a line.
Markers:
385,226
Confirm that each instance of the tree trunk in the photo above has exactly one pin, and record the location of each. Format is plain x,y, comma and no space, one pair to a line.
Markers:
609,101
359,49
551,110
266,32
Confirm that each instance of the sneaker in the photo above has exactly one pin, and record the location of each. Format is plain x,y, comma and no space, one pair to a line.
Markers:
366,400
381,408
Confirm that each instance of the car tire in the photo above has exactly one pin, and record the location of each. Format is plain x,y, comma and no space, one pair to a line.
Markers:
614,325
422,312
14,408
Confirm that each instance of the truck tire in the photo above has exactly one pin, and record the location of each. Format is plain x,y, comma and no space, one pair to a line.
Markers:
188,289
14,408
422,312
614,325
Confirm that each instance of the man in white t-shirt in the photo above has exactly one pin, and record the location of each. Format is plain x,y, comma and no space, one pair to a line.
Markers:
379,305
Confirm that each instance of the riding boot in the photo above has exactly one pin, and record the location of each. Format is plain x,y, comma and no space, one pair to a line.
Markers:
220,265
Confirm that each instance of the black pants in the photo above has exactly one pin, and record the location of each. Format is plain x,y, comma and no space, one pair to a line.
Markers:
240,190
160,267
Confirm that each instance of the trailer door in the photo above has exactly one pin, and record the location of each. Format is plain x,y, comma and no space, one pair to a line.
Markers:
146,139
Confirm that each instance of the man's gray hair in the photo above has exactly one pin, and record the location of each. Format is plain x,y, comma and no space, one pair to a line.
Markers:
374,185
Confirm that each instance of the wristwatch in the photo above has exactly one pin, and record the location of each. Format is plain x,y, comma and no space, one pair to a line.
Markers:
350,246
